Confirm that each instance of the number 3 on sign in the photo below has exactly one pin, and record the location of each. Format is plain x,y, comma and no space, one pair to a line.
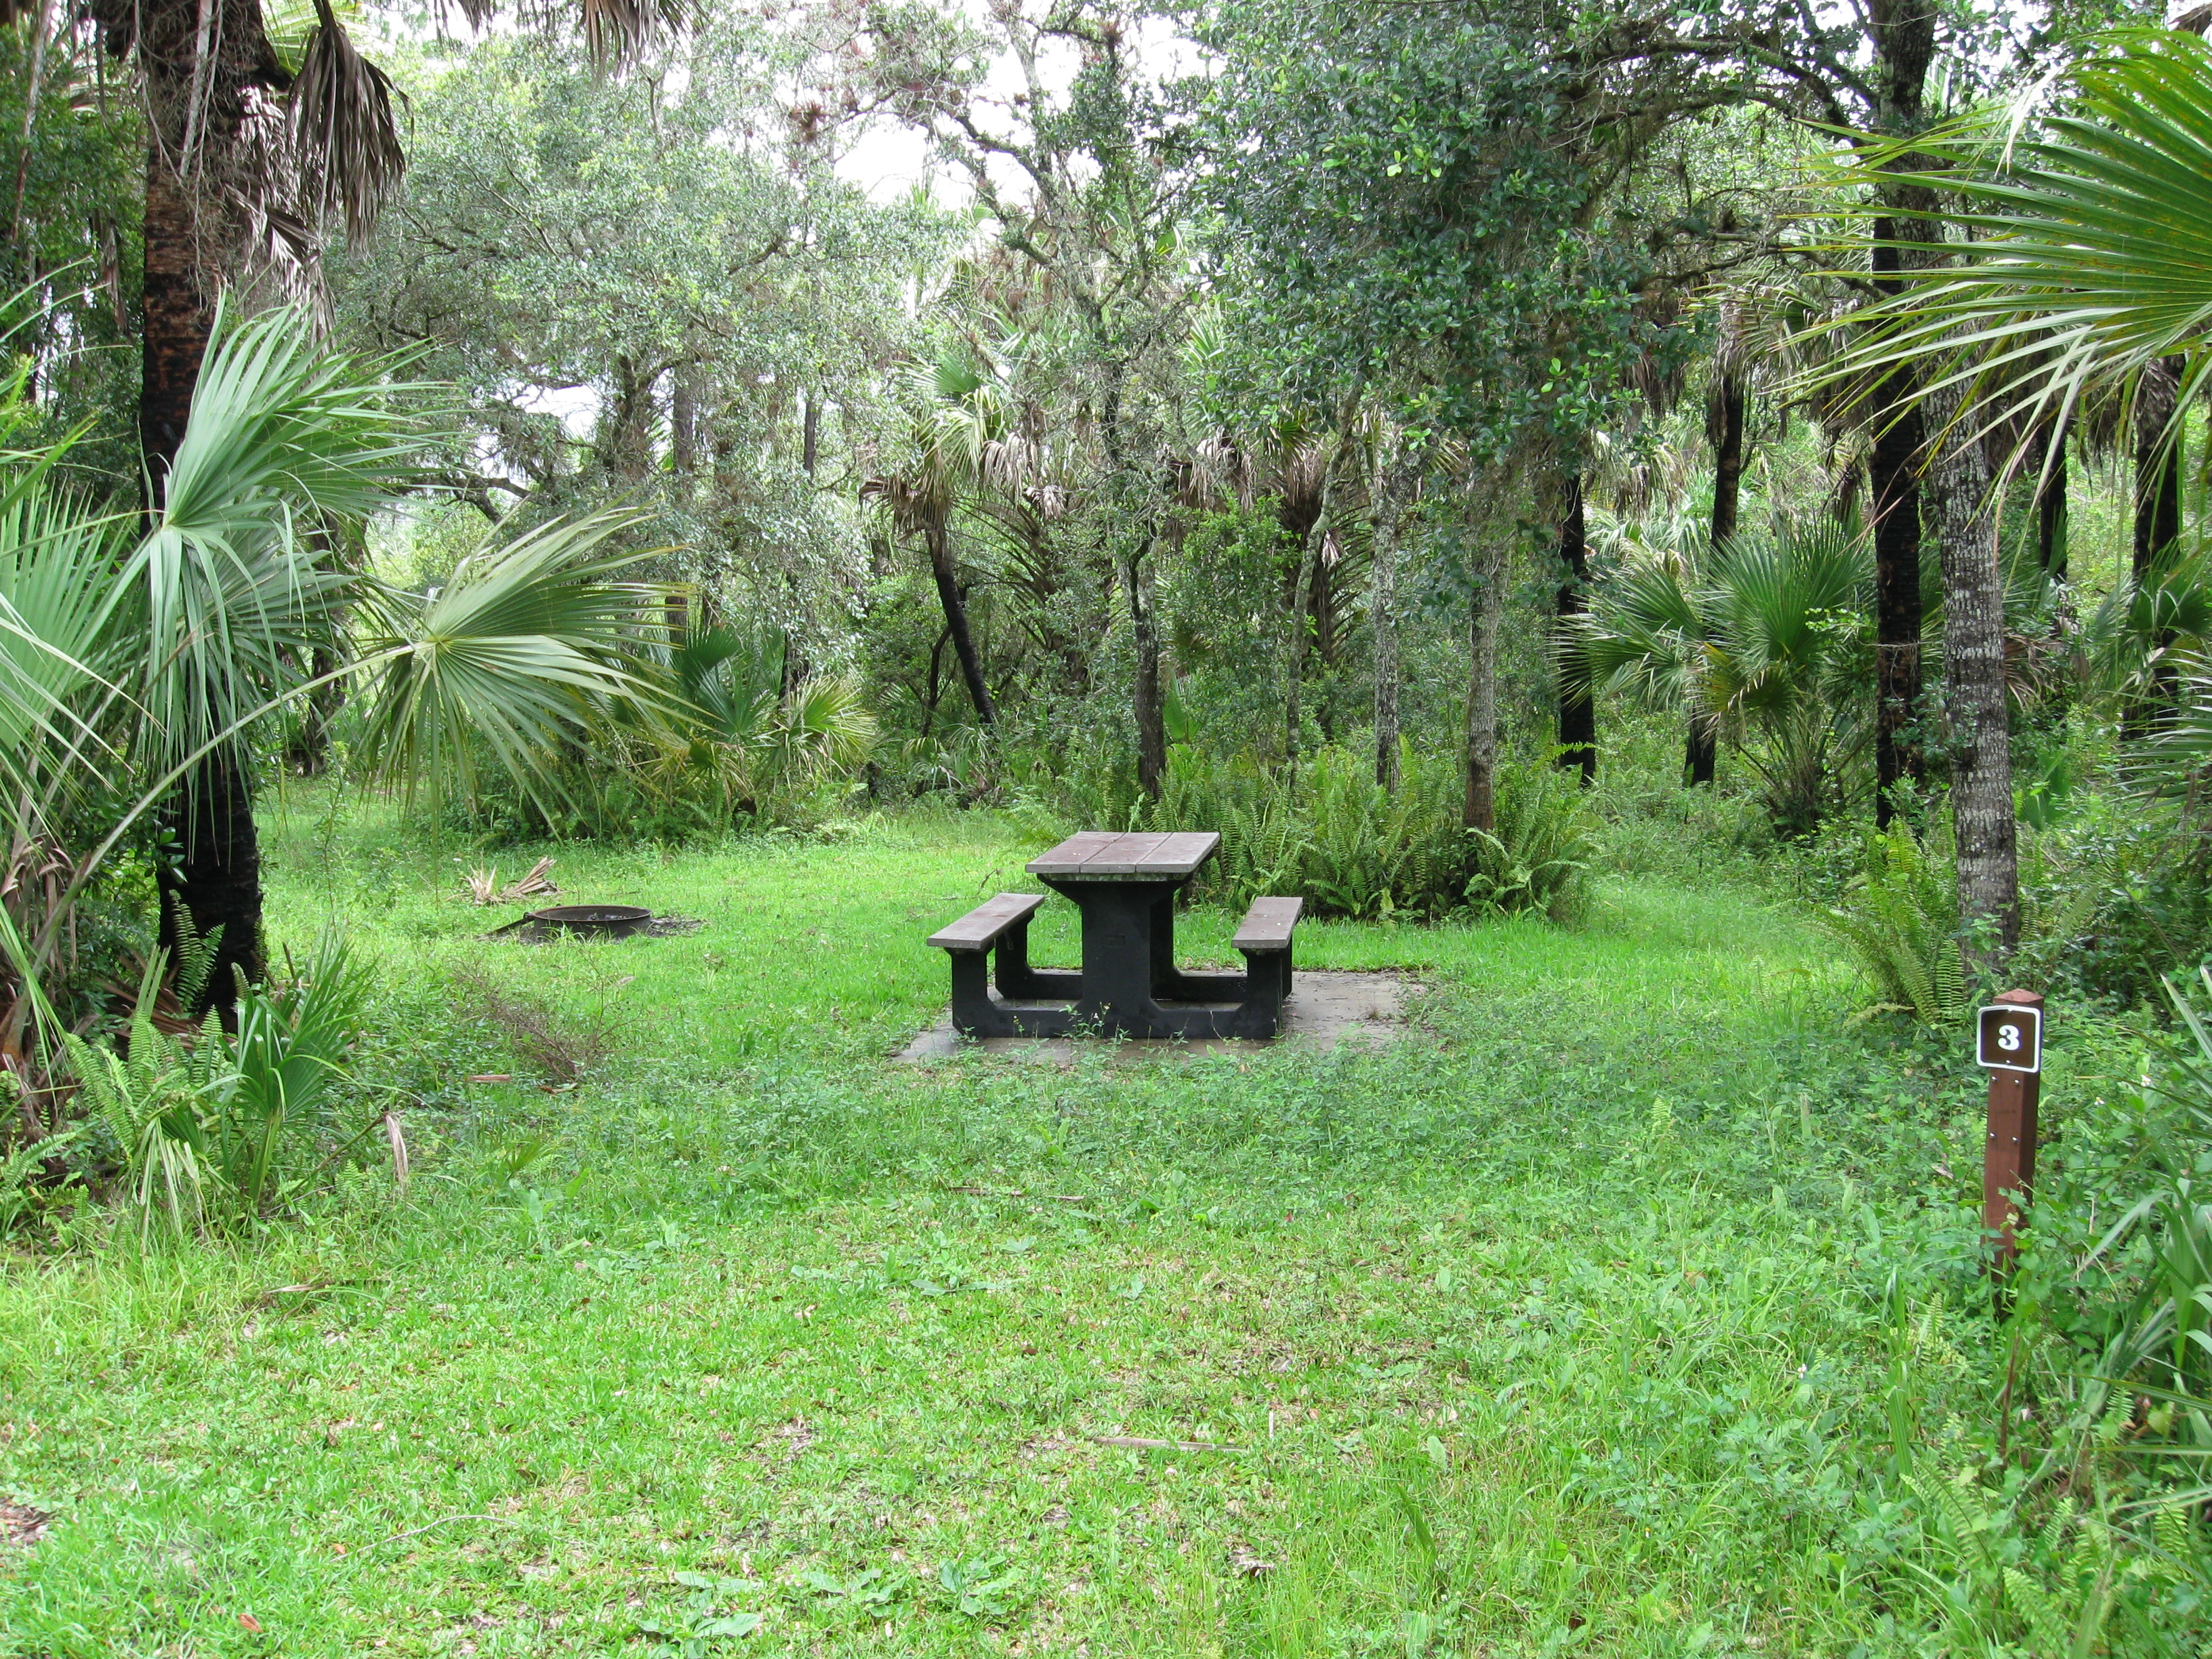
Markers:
2011,1038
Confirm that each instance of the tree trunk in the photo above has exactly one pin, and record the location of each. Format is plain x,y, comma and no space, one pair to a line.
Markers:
1701,743
179,315
1727,455
1895,487
2157,527
956,623
684,425
1398,476
1904,39
1974,700
308,754
1309,575
2158,470
2051,503
1577,706
1480,810
1145,703
217,879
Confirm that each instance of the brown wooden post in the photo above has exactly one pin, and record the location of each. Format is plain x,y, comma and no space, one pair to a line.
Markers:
2013,1050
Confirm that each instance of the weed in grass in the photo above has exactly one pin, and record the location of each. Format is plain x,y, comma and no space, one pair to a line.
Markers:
565,1049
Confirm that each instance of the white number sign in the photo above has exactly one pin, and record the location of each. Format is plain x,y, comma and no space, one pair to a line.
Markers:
2011,1038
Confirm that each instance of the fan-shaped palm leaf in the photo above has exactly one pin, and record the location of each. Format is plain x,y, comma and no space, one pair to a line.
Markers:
515,653
2091,244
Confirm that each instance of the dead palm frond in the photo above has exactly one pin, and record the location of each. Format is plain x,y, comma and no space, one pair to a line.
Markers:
343,128
483,885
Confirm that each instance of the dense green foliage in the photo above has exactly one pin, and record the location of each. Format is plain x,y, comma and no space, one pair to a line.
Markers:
1698,596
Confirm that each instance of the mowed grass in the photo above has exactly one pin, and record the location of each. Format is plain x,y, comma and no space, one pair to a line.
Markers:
1585,1318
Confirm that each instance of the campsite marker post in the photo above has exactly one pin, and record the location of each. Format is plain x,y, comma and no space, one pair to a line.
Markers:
2009,1044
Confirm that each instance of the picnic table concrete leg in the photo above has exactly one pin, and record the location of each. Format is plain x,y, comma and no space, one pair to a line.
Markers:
1118,960
1169,981
975,1014
1020,982
1261,1014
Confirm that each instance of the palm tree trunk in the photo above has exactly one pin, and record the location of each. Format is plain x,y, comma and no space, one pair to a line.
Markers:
1727,455
1577,705
956,623
1904,39
1700,750
2051,504
2157,527
179,315
1480,810
217,878
1309,575
1145,703
1974,698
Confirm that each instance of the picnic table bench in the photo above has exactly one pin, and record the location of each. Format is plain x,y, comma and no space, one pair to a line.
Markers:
1128,985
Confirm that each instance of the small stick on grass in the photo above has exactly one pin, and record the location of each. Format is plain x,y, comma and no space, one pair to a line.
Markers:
416,1532
1138,1442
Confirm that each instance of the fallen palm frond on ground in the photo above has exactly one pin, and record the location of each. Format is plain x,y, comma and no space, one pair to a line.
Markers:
483,888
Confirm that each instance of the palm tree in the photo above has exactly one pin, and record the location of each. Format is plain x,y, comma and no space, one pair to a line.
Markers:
2092,249
251,146
1745,640
2087,275
965,445
134,653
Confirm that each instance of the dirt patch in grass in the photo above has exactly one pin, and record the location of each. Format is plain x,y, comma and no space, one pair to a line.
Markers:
21,1526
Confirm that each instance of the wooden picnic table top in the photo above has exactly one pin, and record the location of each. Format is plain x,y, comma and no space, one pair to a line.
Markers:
1104,855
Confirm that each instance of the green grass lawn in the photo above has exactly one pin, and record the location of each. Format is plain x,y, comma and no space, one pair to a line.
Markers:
1611,1310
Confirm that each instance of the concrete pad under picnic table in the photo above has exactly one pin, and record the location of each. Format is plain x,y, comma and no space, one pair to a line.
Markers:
1325,1009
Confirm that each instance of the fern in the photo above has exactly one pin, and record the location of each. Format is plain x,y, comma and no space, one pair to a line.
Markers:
1901,928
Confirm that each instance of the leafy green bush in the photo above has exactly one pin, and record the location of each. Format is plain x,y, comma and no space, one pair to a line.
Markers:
1901,925
213,1128
1336,838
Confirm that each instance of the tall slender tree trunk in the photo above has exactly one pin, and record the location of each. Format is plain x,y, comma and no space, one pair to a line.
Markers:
216,881
1397,478
1294,668
1480,809
179,315
1577,706
1308,575
1146,701
1894,484
2051,513
1904,39
1727,455
1701,746
1974,699
939,541
196,61
2157,527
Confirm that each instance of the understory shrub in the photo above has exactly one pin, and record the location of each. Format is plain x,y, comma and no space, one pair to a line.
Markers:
1331,835
211,1128
1900,923
732,749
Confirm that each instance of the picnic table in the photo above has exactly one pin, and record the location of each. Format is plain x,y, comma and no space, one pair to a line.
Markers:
1126,887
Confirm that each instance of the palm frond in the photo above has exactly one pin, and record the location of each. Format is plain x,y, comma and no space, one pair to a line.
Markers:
513,655
2088,256
343,127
